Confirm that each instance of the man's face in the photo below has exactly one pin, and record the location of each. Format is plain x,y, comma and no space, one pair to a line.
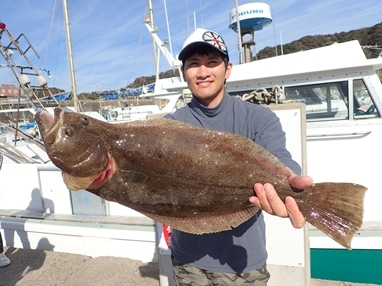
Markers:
205,76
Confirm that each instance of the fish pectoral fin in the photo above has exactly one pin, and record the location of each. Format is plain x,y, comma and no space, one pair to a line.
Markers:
77,183
203,225
134,177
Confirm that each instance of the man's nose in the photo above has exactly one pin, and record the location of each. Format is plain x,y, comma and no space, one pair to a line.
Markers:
203,71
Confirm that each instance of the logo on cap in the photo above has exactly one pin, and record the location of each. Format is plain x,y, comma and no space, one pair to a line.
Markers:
215,40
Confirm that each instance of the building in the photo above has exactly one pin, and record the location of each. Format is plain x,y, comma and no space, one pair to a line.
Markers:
9,91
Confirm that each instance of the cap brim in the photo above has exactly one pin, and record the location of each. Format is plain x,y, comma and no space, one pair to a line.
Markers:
186,49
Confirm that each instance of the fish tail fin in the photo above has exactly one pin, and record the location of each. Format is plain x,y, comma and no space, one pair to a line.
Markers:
334,208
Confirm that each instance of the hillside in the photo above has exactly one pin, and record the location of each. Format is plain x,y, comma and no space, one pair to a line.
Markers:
371,36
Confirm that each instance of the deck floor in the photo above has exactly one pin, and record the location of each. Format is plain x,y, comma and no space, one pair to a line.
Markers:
38,267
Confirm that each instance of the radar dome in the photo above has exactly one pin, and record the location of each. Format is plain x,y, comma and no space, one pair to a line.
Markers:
251,16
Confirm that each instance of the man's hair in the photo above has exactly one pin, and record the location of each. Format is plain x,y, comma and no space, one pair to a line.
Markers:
204,50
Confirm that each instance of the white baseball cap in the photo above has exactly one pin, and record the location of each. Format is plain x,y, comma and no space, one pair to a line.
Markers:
203,37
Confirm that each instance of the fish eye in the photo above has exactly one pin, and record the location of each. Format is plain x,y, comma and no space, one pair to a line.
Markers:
69,132
84,121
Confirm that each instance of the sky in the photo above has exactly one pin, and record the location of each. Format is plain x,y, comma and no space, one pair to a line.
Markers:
111,46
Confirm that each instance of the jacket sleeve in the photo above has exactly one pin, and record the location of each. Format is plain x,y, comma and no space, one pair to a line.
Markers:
270,135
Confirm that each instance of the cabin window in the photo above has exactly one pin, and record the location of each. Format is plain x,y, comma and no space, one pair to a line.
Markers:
363,104
326,101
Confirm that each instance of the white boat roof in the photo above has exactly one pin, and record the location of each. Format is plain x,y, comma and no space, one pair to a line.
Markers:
348,55
336,58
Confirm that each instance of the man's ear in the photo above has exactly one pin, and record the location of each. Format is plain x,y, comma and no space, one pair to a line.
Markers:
182,70
228,70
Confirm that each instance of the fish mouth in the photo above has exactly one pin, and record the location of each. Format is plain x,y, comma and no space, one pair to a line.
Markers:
92,182
44,120
105,175
48,124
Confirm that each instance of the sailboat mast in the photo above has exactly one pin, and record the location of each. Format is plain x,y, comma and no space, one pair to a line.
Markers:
153,28
70,54
239,33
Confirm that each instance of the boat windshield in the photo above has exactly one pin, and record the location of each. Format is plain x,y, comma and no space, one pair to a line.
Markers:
330,100
325,101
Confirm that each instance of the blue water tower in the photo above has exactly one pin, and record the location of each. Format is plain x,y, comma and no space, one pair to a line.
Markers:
251,17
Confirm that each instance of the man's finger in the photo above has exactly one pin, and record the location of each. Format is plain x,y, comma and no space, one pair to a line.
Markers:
262,197
300,182
276,204
295,216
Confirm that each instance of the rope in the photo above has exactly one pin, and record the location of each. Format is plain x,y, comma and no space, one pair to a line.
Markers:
261,95
136,57
52,20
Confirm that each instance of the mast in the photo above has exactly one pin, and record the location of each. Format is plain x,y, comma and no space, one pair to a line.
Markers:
239,33
168,26
153,28
70,54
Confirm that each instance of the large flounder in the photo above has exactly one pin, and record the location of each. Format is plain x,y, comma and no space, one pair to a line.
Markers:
195,180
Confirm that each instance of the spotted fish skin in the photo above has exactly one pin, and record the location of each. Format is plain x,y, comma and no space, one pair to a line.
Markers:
193,179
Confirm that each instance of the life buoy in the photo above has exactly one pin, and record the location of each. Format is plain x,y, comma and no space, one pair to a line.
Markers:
167,234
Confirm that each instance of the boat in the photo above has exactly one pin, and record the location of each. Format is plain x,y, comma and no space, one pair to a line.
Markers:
342,97
36,206
165,101
340,103
17,114
118,107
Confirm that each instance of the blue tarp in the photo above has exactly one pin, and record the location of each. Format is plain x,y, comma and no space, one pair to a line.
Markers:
58,96
63,96
109,95
27,125
128,92
138,90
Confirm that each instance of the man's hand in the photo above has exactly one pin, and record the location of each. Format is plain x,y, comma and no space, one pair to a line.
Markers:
267,199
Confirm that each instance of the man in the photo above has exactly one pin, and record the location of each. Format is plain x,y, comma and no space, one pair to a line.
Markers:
238,256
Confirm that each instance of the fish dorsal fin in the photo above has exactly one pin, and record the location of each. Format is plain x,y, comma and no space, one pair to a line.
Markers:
161,121
206,224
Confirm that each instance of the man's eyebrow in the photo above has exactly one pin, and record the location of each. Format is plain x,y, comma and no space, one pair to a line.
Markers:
209,56
192,58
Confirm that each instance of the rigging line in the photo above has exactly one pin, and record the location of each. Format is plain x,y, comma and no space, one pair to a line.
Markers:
58,54
274,32
9,80
128,57
121,70
137,50
97,20
168,27
188,20
201,13
52,20
186,23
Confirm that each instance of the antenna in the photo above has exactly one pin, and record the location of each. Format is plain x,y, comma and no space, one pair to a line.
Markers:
249,17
